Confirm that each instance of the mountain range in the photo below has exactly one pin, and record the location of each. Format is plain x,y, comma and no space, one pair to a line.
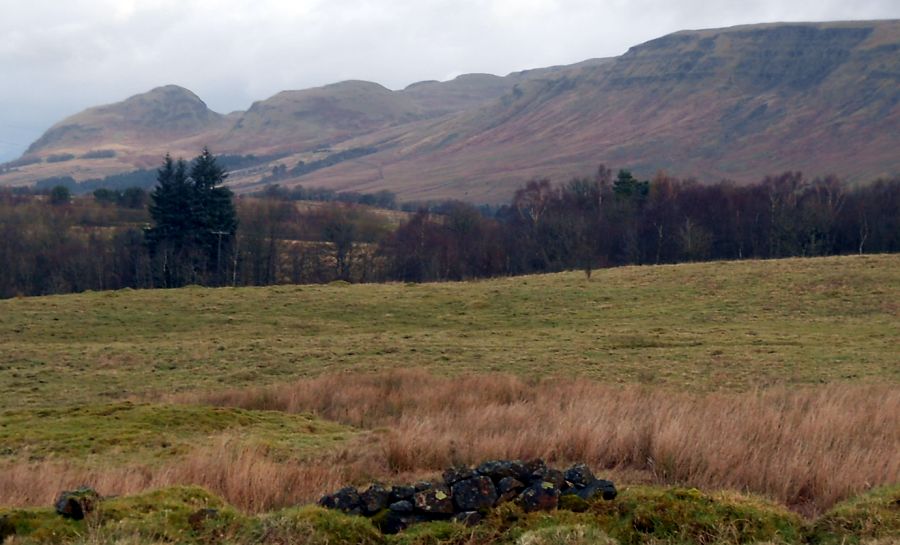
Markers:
735,103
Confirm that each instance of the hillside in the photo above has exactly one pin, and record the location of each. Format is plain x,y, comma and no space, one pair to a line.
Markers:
733,103
736,103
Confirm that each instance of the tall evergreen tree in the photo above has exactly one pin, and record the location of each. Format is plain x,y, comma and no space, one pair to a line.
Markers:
194,221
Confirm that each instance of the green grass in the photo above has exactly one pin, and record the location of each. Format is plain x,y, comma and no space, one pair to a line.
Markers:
869,517
732,325
125,432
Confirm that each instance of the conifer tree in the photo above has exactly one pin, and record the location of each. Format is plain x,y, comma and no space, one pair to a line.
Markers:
194,221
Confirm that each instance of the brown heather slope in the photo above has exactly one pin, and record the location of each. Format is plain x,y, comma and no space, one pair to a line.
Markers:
735,103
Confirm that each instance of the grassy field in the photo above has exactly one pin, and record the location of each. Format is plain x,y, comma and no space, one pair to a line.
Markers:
734,326
776,378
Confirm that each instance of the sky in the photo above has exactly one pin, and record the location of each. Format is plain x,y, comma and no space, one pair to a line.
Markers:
58,57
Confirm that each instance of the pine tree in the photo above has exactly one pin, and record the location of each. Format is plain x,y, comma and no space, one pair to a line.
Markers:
194,221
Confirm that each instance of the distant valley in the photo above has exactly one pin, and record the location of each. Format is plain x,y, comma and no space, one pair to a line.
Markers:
736,103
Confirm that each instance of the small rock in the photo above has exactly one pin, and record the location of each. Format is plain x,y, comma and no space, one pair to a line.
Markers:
602,488
508,488
534,470
345,499
76,504
374,499
402,493
436,500
423,485
457,473
497,469
402,506
555,476
474,493
580,475
469,518
540,496
395,522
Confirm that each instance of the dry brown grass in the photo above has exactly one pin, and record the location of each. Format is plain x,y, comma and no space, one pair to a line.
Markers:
808,448
246,476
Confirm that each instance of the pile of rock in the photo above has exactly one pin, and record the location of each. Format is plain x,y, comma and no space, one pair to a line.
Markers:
466,493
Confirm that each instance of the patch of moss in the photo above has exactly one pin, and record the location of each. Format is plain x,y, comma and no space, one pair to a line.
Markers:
871,516
576,534
438,533
312,525
39,526
573,503
126,431
680,515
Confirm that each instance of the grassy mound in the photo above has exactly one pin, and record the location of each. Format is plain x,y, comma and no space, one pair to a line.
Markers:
125,431
871,517
640,515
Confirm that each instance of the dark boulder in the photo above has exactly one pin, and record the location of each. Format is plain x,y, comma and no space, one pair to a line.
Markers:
475,493
434,501
345,499
402,493
540,496
599,488
508,488
374,499
392,522
469,518
423,485
402,506
580,475
76,504
499,469
533,469
457,473
555,476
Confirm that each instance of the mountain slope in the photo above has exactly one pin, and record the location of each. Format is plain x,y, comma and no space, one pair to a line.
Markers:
164,113
735,103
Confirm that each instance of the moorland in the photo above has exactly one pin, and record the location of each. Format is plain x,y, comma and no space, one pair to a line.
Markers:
771,381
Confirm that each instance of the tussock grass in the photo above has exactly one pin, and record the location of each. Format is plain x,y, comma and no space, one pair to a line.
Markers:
808,448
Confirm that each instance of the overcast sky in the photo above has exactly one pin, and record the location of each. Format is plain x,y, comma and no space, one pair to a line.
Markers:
58,57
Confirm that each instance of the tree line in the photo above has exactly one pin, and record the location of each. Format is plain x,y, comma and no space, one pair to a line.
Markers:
609,220
193,231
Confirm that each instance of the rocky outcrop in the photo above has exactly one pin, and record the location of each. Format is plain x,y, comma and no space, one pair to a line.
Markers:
465,494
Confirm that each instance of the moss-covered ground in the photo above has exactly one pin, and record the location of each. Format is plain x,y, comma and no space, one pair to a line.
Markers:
640,515
124,432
